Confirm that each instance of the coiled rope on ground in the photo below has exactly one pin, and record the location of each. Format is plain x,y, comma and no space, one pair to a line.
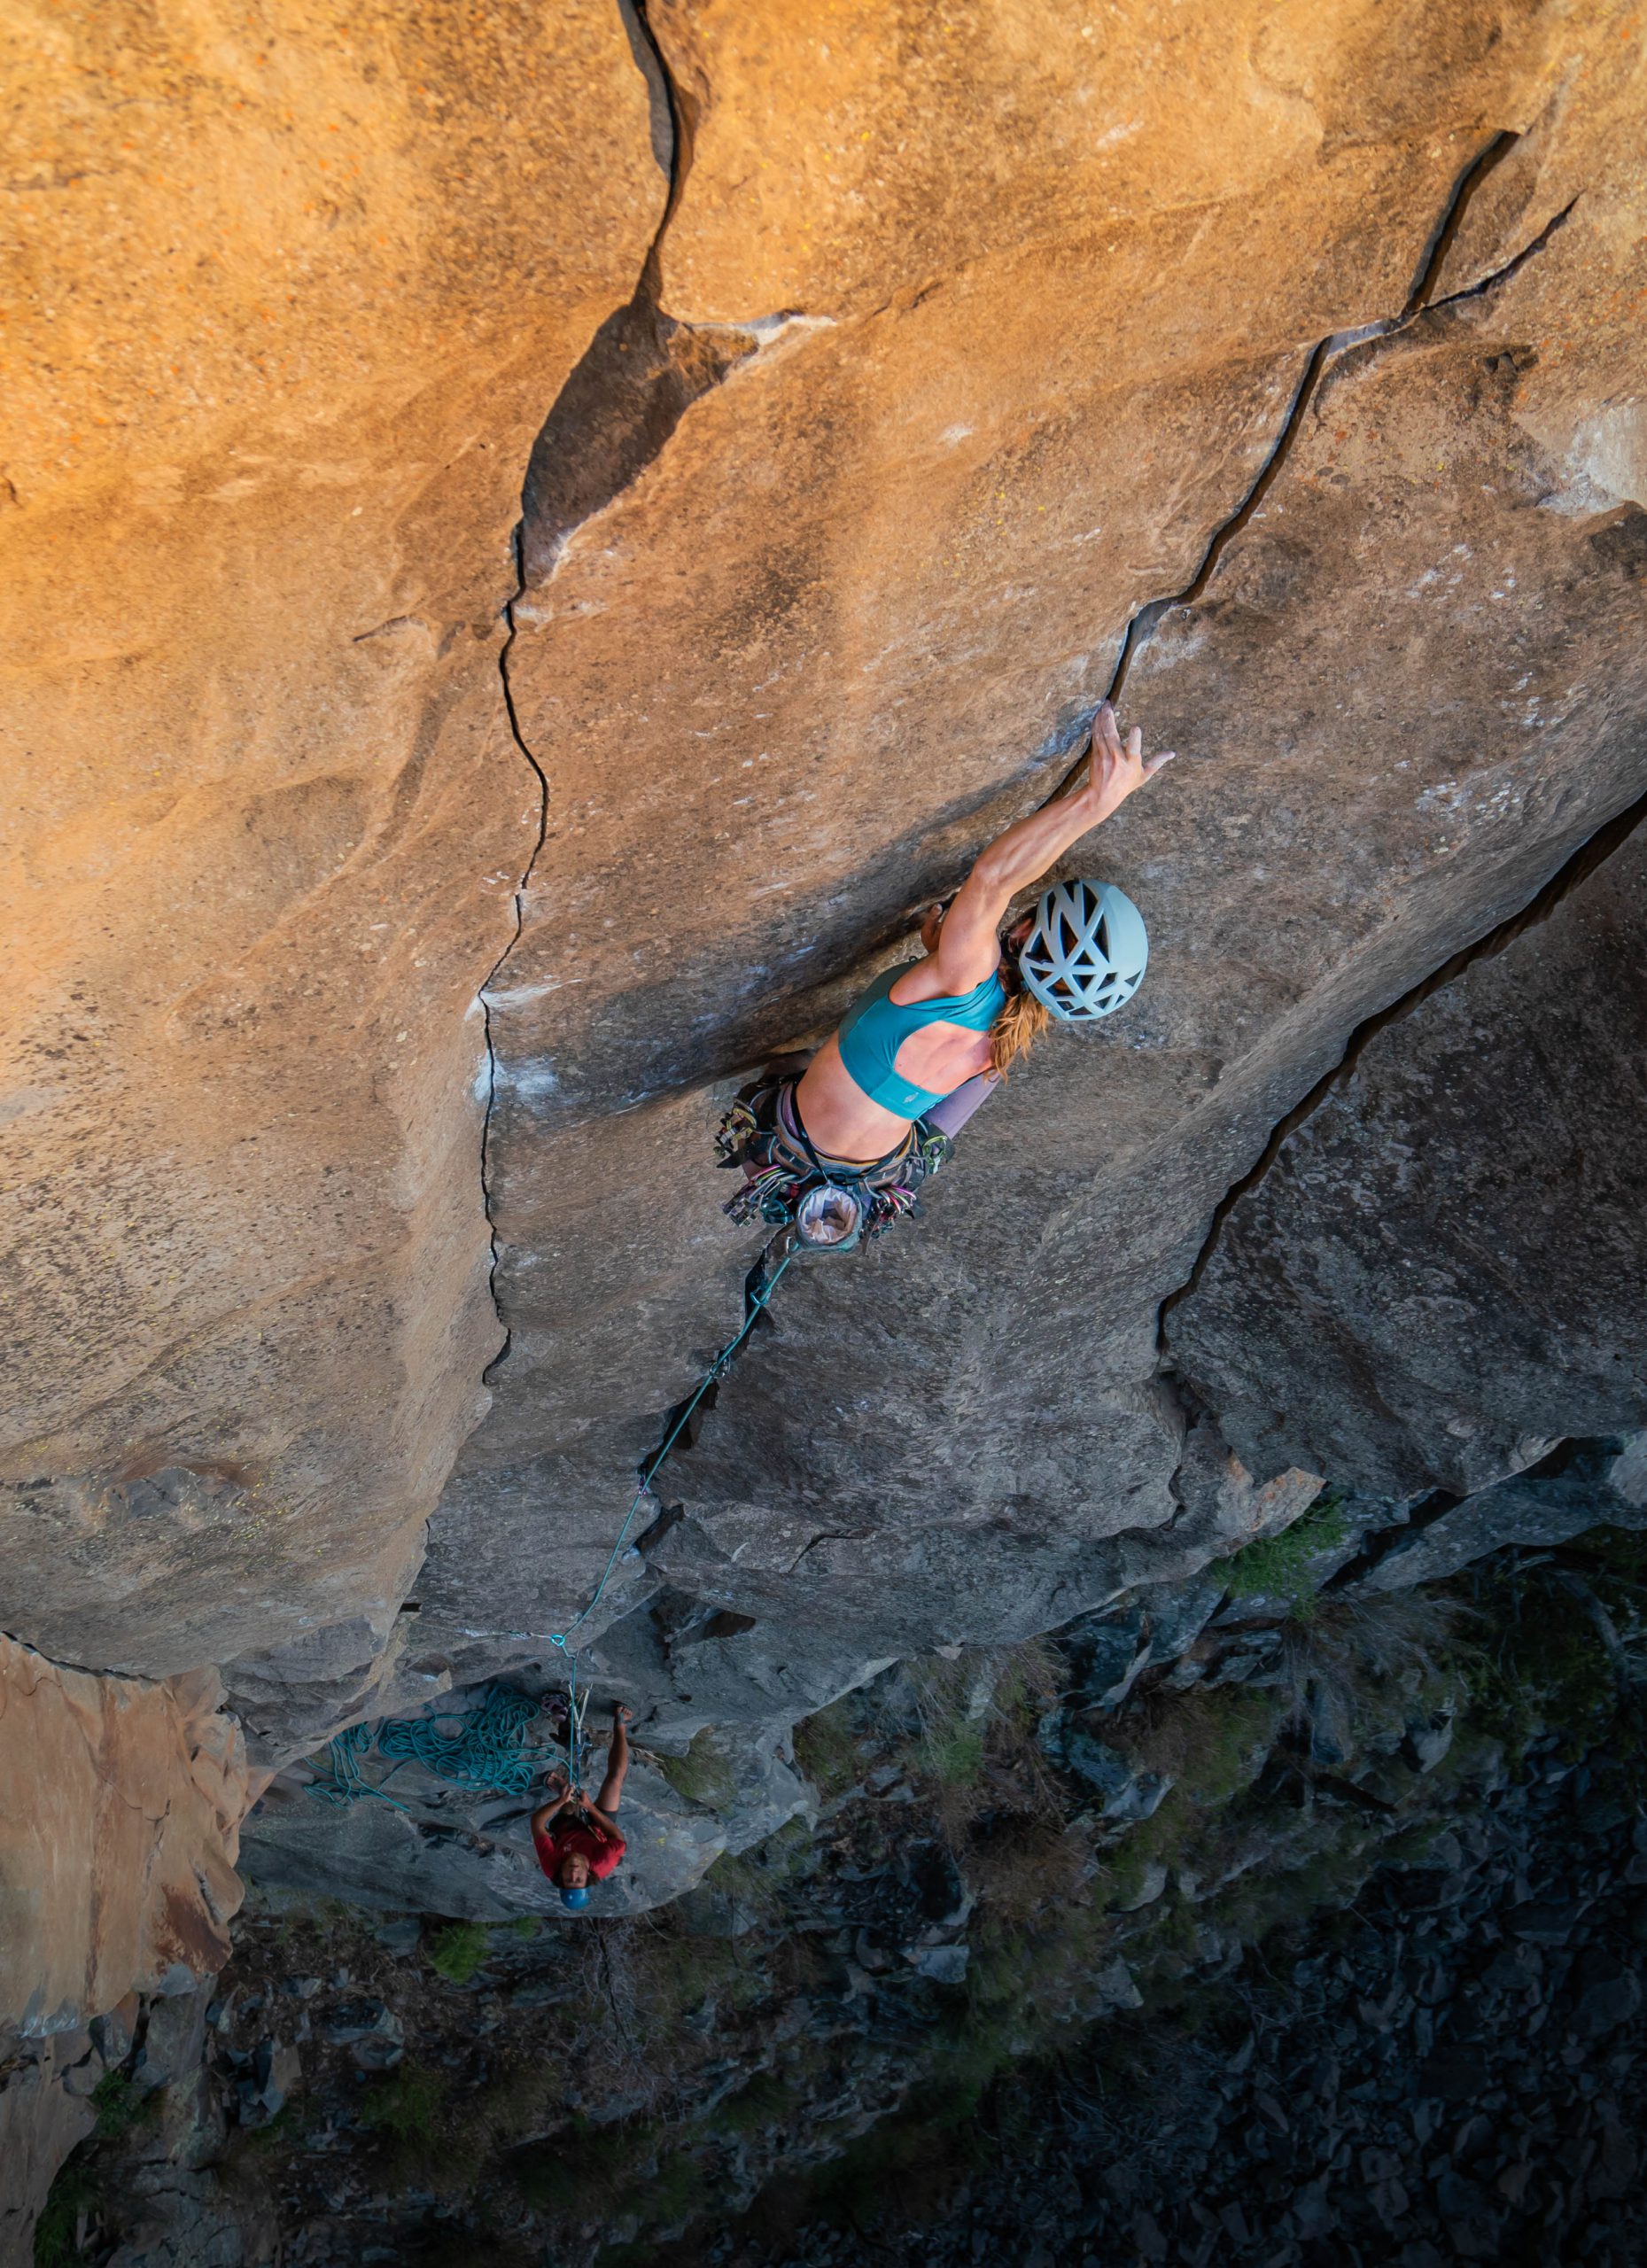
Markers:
485,1748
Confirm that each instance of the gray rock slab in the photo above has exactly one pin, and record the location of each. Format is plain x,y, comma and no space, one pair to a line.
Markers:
41,2121
1441,1268
1524,1511
463,1854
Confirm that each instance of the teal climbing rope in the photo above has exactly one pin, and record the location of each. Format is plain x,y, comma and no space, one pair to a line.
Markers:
485,1748
717,1371
348,1783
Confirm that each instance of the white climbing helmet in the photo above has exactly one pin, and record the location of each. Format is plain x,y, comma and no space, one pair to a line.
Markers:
1086,954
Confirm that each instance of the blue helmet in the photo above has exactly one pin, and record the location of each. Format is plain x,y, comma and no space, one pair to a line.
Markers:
1086,950
576,1899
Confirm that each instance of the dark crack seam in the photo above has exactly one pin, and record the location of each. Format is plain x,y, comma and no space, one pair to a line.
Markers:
542,779
1145,620
1326,351
1594,851
1590,854
634,15
1511,266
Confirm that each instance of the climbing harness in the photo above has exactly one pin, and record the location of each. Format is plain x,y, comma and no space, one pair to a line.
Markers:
829,1204
486,1748
1086,954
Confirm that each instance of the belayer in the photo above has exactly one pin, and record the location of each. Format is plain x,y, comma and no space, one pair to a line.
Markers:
587,1845
840,1148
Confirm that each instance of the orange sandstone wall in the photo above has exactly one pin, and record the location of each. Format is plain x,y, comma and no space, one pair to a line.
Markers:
287,289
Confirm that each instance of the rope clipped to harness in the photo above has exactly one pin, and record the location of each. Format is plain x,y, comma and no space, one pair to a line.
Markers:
830,1206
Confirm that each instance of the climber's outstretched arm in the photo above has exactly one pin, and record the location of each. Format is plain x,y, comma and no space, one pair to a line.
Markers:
967,947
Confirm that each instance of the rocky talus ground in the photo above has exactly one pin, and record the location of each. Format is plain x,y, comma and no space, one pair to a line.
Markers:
1321,1943
1451,2070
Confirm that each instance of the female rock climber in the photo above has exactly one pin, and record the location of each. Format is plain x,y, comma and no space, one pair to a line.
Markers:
588,1847
844,1146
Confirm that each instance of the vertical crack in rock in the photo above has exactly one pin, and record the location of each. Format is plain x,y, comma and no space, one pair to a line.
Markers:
541,777
1446,233
1325,352
1583,861
614,414
1592,852
1144,623
641,372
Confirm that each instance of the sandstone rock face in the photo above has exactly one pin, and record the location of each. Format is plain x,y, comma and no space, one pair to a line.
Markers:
1440,1271
120,1809
287,301
900,384
1406,691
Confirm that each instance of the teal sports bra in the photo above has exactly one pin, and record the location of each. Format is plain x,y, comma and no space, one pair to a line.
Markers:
877,1027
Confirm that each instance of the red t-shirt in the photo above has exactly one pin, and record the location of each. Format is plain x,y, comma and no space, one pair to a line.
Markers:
602,1850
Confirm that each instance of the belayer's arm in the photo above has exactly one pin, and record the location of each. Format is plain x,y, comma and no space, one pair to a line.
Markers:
542,1817
968,948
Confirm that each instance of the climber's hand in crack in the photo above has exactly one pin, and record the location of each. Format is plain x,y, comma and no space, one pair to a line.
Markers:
1117,769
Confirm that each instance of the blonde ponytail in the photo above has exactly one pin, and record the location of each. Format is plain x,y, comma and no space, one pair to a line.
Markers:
1019,1023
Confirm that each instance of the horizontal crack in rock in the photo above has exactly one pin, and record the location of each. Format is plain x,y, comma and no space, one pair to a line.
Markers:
1325,351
